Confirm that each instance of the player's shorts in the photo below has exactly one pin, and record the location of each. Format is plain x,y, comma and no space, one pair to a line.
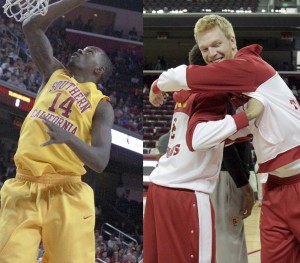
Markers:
58,209
279,220
178,226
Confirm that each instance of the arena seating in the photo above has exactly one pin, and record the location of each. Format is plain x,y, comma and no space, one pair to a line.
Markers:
156,122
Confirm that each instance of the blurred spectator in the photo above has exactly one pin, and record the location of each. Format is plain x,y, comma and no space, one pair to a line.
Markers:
13,80
89,26
78,23
21,83
112,241
158,65
146,90
163,63
113,98
133,34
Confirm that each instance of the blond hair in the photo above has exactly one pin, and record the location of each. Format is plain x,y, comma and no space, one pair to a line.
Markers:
210,21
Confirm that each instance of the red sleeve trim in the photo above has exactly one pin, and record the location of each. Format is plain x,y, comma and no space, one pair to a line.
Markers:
189,137
241,120
241,139
154,157
155,88
280,160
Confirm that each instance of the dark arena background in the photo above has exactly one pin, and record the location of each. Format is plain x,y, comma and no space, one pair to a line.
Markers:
117,29
168,37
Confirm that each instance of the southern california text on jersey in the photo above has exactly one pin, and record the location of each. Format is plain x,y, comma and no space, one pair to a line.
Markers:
71,106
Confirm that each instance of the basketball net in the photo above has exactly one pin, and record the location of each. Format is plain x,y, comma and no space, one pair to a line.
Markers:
22,9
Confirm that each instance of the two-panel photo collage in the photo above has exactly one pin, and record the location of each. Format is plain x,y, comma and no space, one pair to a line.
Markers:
149,131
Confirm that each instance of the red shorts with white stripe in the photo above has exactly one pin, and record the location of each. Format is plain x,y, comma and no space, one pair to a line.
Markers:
280,218
178,226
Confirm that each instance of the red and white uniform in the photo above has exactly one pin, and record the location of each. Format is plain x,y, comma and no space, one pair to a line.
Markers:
194,155
276,139
179,219
248,73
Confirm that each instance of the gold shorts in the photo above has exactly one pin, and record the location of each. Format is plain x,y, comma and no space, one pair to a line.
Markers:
57,209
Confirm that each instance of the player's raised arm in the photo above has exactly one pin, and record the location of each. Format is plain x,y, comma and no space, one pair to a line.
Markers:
40,48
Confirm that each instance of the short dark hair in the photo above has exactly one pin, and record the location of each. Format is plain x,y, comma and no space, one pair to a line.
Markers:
108,67
195,56
105,62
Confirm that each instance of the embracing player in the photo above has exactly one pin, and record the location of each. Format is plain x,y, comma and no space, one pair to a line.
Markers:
276,132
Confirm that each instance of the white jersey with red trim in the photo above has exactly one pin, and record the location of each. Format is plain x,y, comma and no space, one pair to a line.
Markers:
194,162
276,135
277,131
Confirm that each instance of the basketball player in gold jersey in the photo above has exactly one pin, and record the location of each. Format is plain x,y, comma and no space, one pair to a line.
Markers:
68,127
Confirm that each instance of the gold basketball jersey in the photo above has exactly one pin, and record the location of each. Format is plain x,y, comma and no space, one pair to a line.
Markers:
71,106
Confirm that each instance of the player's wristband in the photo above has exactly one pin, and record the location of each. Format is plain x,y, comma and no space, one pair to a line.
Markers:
241,120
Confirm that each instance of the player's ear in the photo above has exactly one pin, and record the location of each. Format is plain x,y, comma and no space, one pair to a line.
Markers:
233,43
99,70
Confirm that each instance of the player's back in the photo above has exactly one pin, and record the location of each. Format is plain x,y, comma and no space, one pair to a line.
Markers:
180,167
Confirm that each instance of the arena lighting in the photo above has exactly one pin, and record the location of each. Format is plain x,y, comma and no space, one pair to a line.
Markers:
171,12
18,96
126,141
15,99
243,11
17,103
206,10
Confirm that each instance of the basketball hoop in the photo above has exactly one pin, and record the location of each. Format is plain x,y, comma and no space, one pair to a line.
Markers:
22,9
